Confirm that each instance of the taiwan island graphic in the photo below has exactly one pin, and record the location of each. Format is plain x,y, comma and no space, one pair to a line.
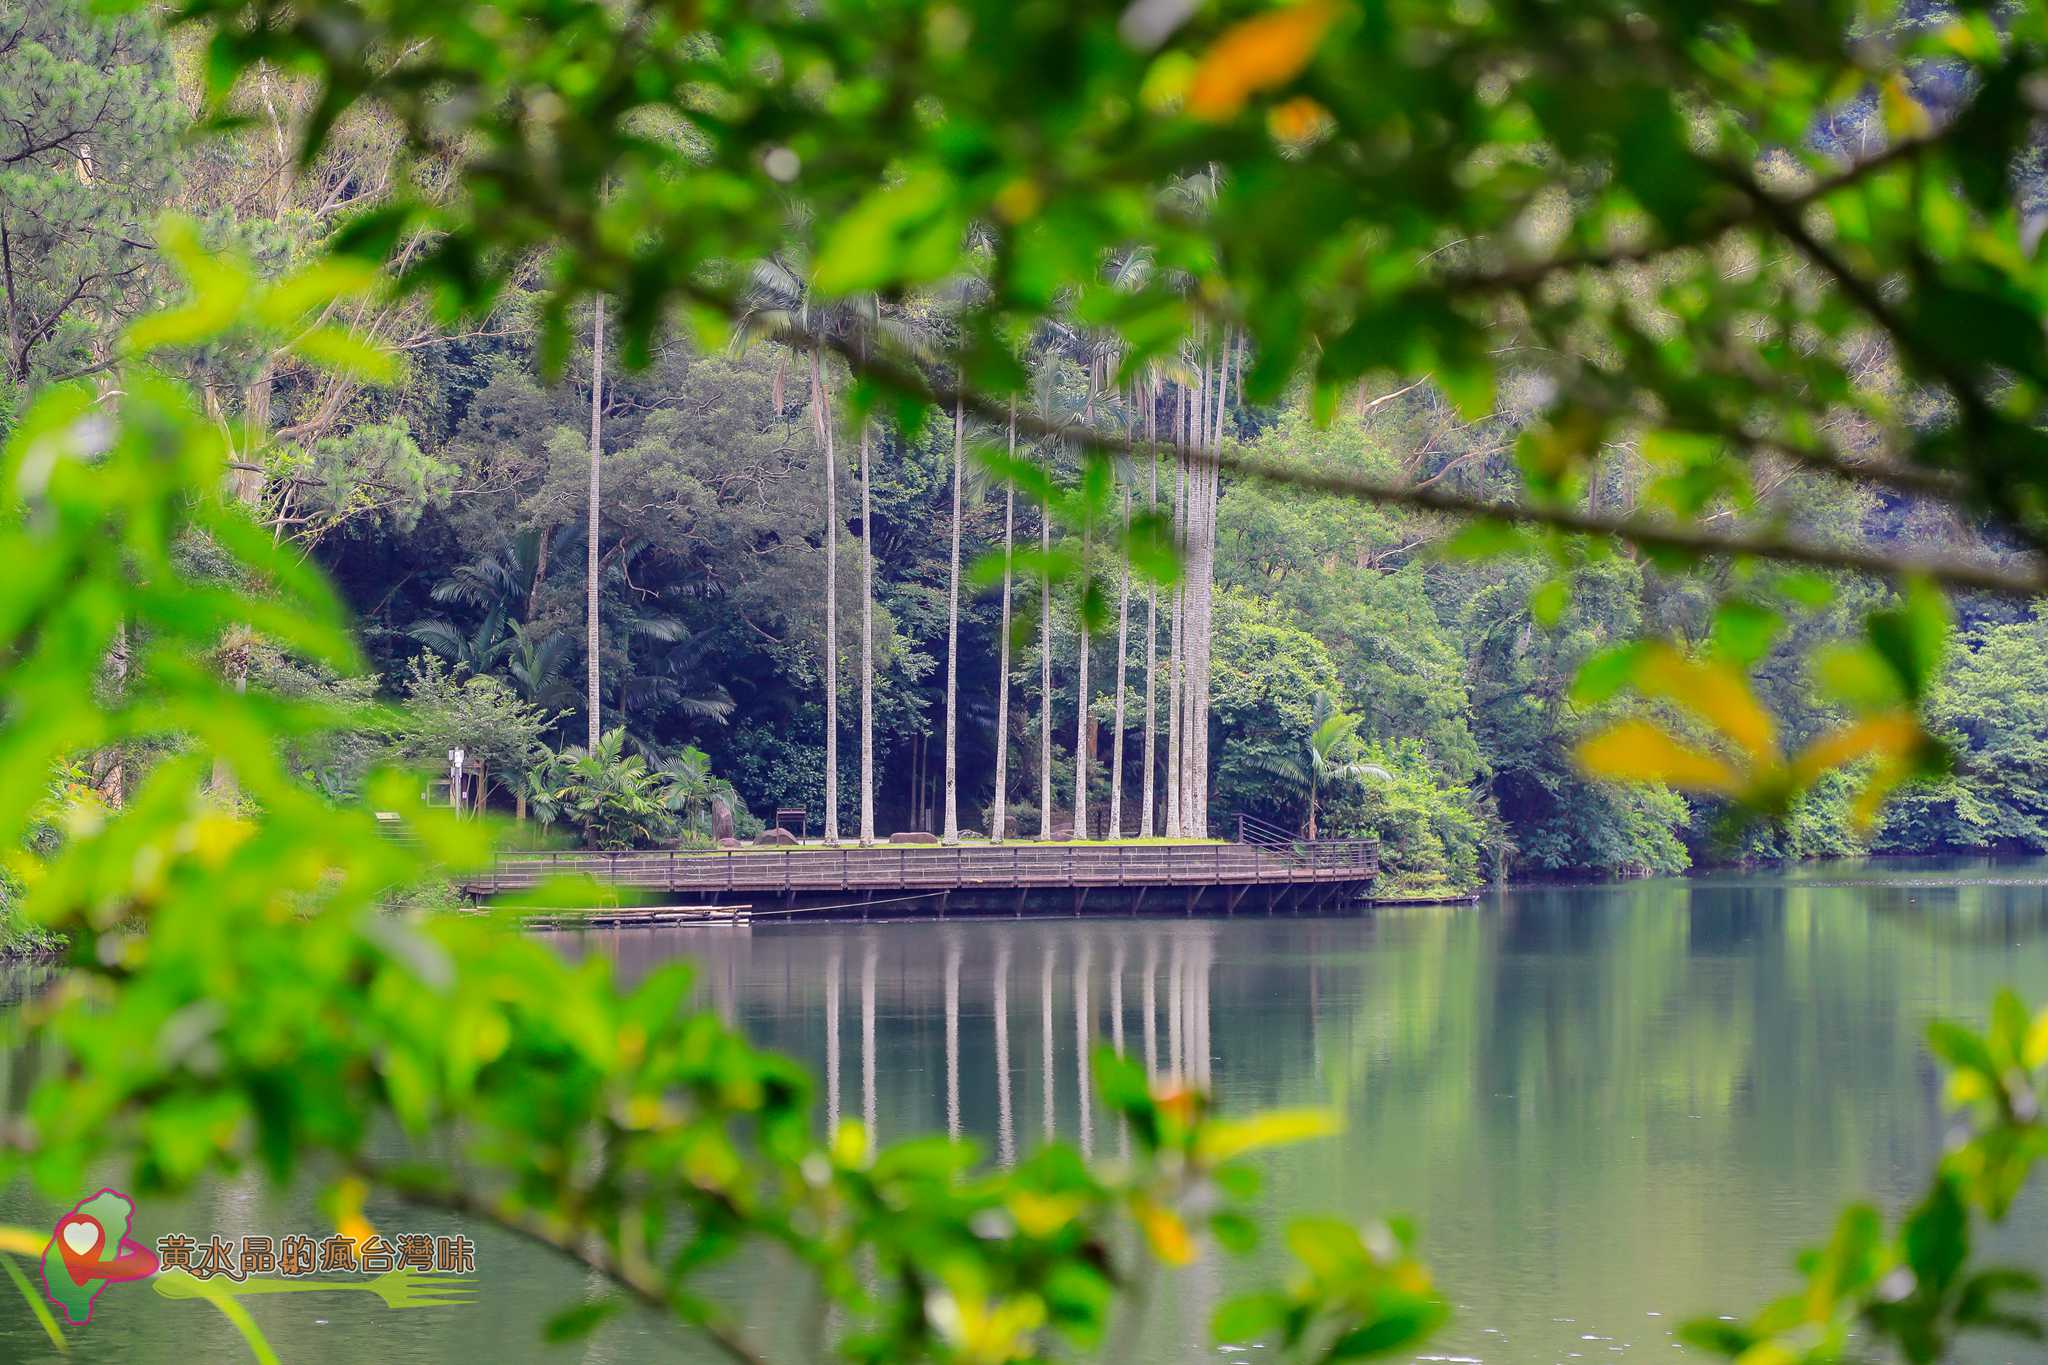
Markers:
89,1249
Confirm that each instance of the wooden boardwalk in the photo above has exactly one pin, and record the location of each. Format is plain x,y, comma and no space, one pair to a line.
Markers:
984,870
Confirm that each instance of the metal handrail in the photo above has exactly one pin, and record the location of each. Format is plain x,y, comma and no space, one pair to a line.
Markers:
1264,854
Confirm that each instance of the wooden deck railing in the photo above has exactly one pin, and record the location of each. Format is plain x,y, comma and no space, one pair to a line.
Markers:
1020,866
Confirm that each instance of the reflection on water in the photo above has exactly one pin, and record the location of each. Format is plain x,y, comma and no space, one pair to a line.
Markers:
1608,1108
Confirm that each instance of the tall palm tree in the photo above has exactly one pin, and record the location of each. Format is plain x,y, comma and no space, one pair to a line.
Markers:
867,646
952,816
778,296
1082,720
999,818
1176,660
821,411
1045,659
593,730
1123,631
1151,619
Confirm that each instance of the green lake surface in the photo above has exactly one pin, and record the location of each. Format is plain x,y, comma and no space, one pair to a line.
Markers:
1608,1108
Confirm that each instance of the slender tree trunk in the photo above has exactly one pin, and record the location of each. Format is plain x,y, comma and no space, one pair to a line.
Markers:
1212,486
14,366
1123,632
1191,603
1192,776
540,573
867,647
1176,722
593,729
821,403
1045,670
114,785
999,822
1151,627
1082,720
952,814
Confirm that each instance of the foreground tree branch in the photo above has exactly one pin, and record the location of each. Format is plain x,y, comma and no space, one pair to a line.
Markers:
902,377
588,1251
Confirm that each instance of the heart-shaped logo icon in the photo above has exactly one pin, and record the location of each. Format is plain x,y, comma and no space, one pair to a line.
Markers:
78,1242
89,1249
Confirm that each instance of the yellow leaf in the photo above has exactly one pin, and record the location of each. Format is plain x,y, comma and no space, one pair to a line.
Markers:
24,1241
1715,692
1019,200
1041,1215
2034,1052
1299,120
850,1146
1278,1128
1891,734
1168,1235
1637,751
1966,1088
1257,54
1871,798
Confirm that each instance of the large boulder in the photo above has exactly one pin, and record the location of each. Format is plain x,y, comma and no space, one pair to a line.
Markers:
913,836
776,838
721,819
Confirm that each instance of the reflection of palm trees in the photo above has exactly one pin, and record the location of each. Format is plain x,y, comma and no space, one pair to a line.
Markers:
1045,1033
953,1036
1081,1032
1116,1026
946,986
832,1041
1006,1136
867,1040
1176,973
1151,1008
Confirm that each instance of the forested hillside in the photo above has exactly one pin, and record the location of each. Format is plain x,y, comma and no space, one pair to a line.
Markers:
1357,660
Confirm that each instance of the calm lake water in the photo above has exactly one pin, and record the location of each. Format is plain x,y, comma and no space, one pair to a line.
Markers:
1608,1108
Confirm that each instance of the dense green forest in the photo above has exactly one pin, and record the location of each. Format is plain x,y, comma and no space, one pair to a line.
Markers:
1423,696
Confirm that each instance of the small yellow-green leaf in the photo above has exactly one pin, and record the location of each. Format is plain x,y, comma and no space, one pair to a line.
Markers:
318,285
2034,1052
336,349
1225,1139
1549,602
1637,751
